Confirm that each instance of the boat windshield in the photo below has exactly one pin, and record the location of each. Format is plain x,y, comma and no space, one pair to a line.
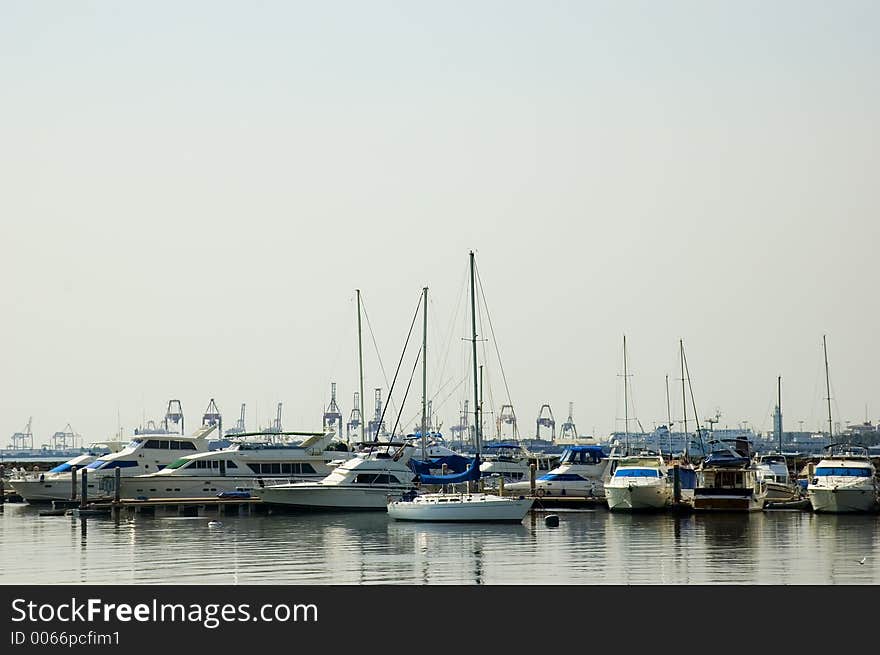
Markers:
61,468
178,463
843,471
637,473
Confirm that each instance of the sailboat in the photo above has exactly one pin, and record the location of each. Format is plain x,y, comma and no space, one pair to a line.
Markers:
461,507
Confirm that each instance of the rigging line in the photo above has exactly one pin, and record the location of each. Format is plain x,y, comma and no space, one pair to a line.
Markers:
492,331
406,393
376,346
461,301
693,402
394,381
417,415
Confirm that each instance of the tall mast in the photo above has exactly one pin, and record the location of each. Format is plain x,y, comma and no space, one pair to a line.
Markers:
425,376
477,407
361,366
668,416
684,400
827,387
625,401
779,409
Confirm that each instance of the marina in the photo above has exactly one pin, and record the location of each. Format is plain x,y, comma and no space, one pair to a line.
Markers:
588,547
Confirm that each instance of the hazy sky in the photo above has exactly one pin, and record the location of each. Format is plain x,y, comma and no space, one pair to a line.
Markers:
191,192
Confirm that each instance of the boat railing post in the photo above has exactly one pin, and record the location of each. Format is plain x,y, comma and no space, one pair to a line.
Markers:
501,486
117,486
84,495
443,469
73,482
676,485
532,470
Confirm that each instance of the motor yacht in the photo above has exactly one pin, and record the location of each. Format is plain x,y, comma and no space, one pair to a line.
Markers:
285,457
729,480
844,481
773,469
145,453
640,482
582,471
512,462
364,482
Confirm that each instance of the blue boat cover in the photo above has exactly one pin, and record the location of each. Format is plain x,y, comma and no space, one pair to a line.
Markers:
472,473
454,463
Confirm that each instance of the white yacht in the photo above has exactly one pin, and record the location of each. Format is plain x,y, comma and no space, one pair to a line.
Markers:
512,462
843,481
728,480
145,453
460,507
236,469
364,482
582,472
773,469
640,482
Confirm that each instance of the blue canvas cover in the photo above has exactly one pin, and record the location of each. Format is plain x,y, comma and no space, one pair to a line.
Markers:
472,473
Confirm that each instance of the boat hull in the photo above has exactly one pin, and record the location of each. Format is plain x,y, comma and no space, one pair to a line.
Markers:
638,497
328,498
61,488
504,510
172,486
840,501
728,502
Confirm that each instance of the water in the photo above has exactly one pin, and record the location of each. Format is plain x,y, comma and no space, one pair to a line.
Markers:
588,547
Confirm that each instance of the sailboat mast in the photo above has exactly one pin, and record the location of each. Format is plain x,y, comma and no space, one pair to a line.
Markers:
827,387
684,405
477,408
425,376
779,409
668,416
361,369
625,401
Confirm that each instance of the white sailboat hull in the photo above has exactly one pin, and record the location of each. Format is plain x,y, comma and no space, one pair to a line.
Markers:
461,508
636,497
841,500
331,497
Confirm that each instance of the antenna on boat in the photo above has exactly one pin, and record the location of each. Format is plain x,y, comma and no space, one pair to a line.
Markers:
778,417
827,388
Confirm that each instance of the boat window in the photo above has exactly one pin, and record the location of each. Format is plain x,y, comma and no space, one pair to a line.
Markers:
286,468
561,477
306,468
255,468
134,443
187,445
152,443
175,445
375,478
163,444
178,463
637,473
61,468
844,471
230,464
96,464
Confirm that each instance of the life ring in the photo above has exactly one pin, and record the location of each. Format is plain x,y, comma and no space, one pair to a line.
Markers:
539,493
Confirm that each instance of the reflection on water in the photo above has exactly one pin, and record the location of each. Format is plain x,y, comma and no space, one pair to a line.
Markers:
594,547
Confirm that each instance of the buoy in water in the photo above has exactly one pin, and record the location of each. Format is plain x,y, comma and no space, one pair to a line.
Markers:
215,524
551,520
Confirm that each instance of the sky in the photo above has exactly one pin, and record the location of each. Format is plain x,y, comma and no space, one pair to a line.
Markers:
191,193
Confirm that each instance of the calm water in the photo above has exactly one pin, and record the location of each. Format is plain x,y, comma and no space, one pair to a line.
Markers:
588,547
